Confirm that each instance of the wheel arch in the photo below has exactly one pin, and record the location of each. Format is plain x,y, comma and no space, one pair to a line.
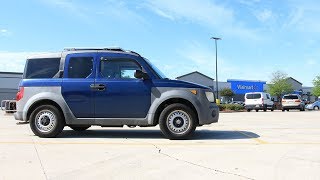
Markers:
44,102
173,100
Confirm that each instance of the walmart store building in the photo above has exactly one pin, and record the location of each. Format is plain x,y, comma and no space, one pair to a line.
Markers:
240,87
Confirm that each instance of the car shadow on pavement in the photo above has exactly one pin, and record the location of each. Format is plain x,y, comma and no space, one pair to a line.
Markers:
156,134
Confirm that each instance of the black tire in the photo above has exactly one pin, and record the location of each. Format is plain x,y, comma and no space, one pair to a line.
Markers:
248,110
288,110
302,108
272,109
79,128
316,108
51,118
186,114
257,110
283,110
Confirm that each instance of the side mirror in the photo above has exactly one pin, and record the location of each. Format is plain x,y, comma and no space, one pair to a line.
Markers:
141,75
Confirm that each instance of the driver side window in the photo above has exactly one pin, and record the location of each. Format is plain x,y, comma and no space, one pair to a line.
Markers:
118,68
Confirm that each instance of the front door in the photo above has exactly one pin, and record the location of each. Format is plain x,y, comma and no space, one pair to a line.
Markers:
79,75
121,95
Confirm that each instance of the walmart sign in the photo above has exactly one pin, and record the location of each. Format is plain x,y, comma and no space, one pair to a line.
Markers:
242,86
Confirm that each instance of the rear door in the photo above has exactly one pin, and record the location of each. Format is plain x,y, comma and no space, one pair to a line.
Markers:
291,100
79,75
253,98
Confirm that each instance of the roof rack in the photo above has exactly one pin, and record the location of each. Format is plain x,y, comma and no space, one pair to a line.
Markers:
95,49
133,52
101,49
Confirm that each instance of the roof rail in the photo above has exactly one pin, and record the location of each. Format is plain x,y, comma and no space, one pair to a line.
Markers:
101,49
95,49
133,52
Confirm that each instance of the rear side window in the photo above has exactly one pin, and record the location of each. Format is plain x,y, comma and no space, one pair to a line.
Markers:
41,68
253,96
80,67
290,97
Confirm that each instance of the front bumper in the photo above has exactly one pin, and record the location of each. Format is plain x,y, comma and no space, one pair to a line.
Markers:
209,114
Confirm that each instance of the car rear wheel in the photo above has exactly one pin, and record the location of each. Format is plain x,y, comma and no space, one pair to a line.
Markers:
248,110
46,121
177,121
79,128
257,110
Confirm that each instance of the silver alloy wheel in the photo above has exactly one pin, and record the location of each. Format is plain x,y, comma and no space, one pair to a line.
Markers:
178,121
45,121
316,108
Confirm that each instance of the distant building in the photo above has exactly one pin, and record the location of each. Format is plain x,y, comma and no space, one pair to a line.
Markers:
240,87
9,82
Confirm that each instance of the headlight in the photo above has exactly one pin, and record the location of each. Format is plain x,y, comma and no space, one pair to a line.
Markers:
210,96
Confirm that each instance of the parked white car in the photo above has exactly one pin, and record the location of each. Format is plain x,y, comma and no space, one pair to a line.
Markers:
292,101
258,101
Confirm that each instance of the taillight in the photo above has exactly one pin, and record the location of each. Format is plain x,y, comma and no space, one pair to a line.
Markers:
297,100
20,93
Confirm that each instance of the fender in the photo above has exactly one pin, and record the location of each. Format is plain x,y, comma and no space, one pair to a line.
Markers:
161,94
37,94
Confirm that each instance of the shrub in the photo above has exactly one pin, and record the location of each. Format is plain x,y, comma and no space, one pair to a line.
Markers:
232,107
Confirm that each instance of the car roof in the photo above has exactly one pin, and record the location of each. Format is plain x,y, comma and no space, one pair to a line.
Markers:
67,51
45,55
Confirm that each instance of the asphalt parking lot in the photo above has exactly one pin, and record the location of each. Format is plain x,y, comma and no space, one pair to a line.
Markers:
263,145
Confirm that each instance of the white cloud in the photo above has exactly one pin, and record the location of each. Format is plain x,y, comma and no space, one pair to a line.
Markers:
249,2
14,61
202,59
5,32
206,13
95,12
303,16
264,15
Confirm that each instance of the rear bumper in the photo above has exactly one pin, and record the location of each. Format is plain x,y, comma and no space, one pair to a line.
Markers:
18,115
292,107
256,106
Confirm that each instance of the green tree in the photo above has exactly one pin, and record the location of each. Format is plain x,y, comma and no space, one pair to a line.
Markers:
316,88
226,94
279,84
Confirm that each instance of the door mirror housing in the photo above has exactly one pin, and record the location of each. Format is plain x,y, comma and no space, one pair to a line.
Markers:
141,75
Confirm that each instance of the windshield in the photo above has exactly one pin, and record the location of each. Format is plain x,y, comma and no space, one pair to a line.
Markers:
155,69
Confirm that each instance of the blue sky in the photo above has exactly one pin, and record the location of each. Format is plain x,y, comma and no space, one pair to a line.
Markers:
258,37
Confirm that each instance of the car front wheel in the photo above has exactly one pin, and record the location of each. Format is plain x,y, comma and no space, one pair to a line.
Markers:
177,121
316,108
46,121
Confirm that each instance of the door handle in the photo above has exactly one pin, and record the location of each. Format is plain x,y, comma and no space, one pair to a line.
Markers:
99,87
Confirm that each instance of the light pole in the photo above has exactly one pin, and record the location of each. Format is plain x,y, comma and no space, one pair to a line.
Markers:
215,40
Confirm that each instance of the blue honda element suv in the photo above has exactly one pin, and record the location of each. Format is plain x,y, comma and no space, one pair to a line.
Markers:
108,87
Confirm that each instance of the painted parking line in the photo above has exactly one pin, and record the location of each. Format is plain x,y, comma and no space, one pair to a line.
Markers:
253,138
260,142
